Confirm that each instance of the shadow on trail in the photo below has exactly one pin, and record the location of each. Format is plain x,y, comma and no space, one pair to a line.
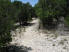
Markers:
26,24
30,24
22,25
14,48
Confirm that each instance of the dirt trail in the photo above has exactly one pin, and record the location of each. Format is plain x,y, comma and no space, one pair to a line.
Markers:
40,42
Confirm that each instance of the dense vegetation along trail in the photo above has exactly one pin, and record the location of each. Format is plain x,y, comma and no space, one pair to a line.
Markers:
40,42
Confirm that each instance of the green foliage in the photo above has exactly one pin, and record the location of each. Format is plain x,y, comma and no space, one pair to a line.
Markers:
25,14
10,12
67,20
38,9
48,10
16,9
6,22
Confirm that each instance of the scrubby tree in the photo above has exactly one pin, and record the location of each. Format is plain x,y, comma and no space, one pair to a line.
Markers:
50,11
11,13
6,22
67,13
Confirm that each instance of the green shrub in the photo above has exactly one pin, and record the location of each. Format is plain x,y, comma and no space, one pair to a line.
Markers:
48,10
6,22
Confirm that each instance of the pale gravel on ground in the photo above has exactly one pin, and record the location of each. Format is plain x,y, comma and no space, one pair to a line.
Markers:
40,42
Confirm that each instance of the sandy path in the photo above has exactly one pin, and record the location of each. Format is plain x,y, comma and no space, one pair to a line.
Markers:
41,42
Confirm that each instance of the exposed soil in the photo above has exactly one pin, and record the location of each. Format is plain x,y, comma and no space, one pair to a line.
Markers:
37,41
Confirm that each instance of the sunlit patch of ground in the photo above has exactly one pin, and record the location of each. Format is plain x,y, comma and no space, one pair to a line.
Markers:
39,41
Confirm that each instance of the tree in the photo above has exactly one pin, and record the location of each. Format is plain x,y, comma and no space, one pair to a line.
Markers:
67,13
50,10
6,22
26,14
